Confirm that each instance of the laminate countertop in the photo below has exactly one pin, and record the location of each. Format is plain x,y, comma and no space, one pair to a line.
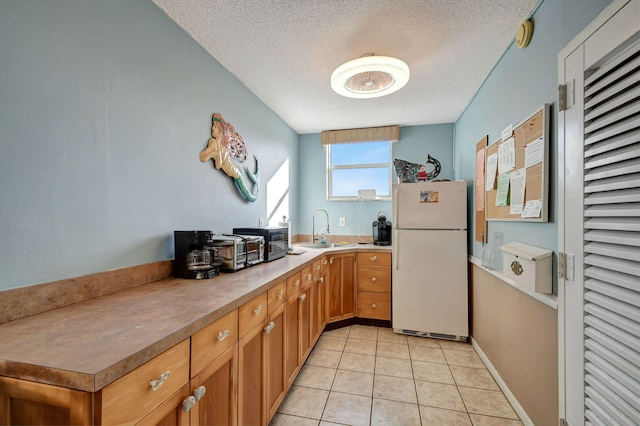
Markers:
90,344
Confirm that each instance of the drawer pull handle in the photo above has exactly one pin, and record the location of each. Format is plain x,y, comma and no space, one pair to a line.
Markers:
257,311
269,327
373,305
373,258
318,267
303,296
331,260
374,279
309,277
321,279
297,283
188,404
199,392
223,335
157,383
281,294
324,261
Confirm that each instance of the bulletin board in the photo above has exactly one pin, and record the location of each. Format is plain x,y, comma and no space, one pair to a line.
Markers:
527,178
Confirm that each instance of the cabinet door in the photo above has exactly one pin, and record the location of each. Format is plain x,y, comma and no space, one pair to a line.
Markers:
170,412
23,402
251,376
275,348
315,310
218,404
341,298
322,294
304,325
292,339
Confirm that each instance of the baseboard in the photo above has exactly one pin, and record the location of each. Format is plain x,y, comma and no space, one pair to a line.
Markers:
503,386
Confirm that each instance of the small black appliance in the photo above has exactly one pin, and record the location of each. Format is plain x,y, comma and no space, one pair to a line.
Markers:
195,256
276,240
381,230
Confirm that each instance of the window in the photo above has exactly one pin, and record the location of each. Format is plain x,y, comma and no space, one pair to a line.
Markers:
354,166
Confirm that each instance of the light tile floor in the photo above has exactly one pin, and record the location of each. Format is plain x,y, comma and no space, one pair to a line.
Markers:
365,375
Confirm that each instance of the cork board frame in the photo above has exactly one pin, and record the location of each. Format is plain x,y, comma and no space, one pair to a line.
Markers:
537,186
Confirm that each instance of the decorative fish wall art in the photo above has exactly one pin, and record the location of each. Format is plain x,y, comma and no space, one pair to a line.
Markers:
413,172
224,148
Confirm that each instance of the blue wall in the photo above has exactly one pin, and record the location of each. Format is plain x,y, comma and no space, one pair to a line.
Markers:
520,83
414,145
104,108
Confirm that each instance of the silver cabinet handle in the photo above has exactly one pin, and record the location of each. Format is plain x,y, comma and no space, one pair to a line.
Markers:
303,296
199,392
297,283
257,311
269,327
318,267
223,335
188,404
324,261
157,383
374,279
281,294
373,305
321,279
331,260
309,277
373,258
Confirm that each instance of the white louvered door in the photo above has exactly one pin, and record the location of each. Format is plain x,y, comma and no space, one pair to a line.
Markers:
602,230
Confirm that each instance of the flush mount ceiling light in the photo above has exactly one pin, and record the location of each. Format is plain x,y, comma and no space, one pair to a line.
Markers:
370,76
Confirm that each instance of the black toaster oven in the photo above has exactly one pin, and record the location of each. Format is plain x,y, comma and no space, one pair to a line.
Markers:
276,240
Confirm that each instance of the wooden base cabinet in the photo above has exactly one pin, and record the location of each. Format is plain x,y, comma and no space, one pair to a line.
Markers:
341,292
23,402
275,348
374,285
251,376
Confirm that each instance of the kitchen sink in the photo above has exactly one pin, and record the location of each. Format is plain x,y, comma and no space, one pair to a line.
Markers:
324,246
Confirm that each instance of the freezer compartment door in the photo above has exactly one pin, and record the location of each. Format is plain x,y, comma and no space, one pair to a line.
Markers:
430,205
429,281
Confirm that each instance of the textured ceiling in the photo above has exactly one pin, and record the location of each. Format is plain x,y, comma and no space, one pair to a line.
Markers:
284,51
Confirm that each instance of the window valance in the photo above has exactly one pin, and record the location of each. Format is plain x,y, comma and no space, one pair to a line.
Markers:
368,134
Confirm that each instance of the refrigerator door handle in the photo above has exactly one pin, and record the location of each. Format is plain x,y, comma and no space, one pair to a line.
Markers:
396,250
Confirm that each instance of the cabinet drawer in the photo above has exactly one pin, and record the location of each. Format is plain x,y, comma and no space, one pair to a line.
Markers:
307,276
210,342
317,268
374,259
131,397
276,296
374,305
252,313
294,283
374,278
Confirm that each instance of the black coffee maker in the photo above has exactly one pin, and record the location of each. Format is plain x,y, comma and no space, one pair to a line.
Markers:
381,230
195,256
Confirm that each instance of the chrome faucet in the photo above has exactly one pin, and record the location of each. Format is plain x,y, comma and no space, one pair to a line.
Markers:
313,224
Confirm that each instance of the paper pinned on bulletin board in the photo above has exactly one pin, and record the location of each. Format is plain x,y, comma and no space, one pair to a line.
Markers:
532,208
492,168
518,183
534,152
506,156
502,199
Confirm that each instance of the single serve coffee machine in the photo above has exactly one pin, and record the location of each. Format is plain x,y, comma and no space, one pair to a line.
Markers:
381,230
195,256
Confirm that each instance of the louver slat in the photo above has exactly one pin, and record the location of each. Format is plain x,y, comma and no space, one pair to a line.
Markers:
614,183
614,277
620,265
614,250
612,241
613,237
620,210
613,224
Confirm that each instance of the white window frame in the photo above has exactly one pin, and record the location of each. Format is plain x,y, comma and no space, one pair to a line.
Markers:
329,169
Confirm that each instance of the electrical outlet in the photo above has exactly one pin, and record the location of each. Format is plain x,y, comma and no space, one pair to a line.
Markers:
343,221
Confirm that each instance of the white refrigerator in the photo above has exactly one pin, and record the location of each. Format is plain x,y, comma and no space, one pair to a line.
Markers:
429,291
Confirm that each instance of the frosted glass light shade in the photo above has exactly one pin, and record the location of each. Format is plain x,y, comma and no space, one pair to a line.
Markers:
370,77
